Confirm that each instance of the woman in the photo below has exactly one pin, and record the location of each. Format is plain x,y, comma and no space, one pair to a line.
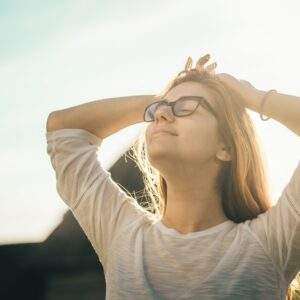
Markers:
209,230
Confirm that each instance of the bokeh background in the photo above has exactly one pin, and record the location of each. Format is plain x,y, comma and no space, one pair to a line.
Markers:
57,54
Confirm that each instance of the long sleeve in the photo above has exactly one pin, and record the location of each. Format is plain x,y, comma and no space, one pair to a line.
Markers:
99,205
278,229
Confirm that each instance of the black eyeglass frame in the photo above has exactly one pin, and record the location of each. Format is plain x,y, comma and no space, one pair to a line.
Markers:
200,100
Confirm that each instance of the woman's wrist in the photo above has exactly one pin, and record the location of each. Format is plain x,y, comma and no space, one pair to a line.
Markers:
254,98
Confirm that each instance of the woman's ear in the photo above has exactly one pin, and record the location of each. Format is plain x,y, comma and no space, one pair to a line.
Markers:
224,153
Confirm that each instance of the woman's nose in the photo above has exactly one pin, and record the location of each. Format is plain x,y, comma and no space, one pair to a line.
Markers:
165,112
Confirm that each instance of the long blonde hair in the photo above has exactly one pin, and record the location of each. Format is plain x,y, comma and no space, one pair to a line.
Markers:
242,182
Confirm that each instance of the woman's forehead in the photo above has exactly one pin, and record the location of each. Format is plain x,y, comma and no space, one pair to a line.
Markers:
190,89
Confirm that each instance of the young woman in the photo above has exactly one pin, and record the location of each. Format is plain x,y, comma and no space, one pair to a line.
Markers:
208,230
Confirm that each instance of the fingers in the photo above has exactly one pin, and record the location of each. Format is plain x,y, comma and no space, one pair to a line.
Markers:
211,68
188,64
200,65
201,62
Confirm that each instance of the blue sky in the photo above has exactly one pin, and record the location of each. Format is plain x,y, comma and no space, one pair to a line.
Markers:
57,54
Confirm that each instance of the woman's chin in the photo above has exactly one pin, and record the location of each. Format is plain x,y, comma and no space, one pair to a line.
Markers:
157,153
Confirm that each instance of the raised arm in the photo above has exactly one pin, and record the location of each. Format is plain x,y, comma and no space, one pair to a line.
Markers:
101,117
74,135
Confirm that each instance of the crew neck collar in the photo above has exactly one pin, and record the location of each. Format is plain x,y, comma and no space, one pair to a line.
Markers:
213,229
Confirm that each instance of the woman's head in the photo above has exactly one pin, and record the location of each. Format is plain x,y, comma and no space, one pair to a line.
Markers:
195,142
224,141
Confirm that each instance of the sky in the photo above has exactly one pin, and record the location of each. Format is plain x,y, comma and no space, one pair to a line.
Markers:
58,54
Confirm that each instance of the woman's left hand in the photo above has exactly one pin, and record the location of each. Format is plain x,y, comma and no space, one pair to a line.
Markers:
251,96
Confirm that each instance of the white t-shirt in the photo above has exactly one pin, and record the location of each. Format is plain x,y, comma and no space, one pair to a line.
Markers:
143,259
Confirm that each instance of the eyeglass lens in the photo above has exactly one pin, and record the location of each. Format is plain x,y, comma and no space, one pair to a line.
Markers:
182,107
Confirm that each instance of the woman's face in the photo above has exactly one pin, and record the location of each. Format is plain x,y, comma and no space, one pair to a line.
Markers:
195,140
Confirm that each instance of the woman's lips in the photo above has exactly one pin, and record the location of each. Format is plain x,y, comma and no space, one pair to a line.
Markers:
158,133
159,130
163,132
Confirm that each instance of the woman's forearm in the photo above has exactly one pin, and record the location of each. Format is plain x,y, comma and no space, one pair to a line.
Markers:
101,117
280,107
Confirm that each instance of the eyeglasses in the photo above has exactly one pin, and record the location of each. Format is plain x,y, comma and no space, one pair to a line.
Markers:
183,106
